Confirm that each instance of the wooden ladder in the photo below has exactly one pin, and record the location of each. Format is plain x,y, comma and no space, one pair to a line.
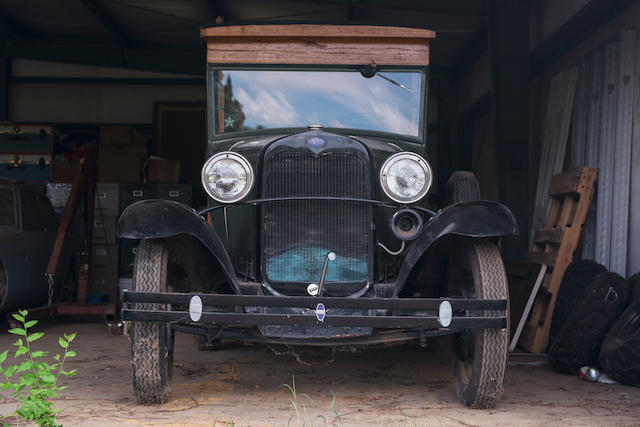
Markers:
554,245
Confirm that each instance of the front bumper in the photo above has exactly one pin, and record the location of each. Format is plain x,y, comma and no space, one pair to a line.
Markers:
245,310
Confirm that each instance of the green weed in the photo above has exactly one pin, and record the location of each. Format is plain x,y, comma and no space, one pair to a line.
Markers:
301,417
36,382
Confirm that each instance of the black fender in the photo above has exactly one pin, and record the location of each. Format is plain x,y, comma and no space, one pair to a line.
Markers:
478,219
159,219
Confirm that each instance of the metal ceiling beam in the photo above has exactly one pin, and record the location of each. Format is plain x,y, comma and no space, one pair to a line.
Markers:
10,27
170,59
593,16
107,22
426,6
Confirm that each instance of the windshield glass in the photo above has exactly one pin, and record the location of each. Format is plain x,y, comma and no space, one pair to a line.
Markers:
7,208
390,101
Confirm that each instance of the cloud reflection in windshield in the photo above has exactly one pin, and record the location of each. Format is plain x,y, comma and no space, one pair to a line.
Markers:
273,99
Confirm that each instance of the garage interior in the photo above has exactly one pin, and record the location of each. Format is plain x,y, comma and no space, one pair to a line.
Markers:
103,103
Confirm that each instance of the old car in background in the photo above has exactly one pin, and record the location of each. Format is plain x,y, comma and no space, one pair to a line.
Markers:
318,229
28,226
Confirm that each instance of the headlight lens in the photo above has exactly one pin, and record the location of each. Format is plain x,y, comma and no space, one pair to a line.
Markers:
227,177
405,177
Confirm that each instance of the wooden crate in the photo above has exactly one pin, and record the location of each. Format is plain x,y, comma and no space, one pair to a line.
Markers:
555,244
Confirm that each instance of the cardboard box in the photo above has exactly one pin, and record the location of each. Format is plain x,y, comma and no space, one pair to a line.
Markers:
162,171
67,165
121,135
121,163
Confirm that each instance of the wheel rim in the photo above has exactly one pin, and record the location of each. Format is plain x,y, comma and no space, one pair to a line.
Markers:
465,340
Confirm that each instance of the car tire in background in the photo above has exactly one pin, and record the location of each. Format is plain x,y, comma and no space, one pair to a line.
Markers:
462,186
151,342
577,278
480,355
578,342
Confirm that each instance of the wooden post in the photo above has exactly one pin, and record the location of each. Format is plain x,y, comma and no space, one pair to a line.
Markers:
509,50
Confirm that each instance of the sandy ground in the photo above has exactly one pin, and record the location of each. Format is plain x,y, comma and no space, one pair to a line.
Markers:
243,386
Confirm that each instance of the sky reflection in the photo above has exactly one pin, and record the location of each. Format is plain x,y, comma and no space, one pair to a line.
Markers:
342,99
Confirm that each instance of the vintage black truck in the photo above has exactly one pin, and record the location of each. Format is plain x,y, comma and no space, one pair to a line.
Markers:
318,229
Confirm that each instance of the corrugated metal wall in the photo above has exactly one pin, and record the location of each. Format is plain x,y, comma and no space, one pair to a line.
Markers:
602,135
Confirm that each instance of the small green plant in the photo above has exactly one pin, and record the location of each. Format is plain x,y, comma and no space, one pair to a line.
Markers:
300,418
229,423
36,381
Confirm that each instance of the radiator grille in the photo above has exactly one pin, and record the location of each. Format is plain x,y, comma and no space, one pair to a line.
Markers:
299,234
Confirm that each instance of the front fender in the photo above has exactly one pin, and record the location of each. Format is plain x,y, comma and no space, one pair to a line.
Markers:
479,219
159,219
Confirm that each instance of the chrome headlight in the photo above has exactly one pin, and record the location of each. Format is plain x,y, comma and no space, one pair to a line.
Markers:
405,177
227,177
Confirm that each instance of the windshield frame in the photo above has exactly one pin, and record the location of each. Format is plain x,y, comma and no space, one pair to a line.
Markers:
212,117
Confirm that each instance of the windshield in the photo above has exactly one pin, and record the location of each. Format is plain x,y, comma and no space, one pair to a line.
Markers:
7,208
390,101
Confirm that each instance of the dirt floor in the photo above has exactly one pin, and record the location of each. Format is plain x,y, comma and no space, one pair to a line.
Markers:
242,385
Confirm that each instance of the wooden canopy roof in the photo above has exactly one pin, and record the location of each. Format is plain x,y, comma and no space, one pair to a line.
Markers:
317,44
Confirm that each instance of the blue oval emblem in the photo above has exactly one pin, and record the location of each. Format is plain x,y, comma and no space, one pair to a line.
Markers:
320,312
316,142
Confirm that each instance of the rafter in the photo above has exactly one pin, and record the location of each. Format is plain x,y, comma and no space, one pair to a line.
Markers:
10,27
107,22
427,6
183,59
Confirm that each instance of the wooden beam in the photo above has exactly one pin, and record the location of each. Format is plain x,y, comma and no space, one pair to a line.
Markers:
509,53
107,22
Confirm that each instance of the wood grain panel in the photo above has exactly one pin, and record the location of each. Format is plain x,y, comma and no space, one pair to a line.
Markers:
316,30
317,44
317,51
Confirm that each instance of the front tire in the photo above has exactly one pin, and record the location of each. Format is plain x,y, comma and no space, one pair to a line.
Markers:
480,355
151,343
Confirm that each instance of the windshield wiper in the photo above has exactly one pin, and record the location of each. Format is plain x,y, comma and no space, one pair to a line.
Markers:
371,70
394,82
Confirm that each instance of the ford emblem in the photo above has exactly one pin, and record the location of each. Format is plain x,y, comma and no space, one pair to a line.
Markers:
320,312
316,142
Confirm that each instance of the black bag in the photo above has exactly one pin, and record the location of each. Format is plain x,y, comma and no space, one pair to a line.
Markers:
620,353
577,277
578,342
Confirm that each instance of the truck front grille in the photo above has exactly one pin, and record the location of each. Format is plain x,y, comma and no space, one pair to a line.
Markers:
299,234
